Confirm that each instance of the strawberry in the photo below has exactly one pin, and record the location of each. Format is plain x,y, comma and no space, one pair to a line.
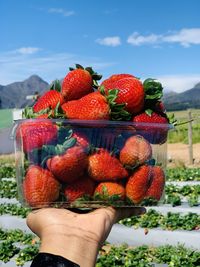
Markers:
138,183
69,166
155,133
93,106
32,134
106,190
79,82
49,99
113,78
84,186
136,151
104,167
130,93
81,138
40,187
157,183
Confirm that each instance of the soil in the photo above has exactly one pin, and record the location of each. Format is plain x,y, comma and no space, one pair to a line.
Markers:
178,155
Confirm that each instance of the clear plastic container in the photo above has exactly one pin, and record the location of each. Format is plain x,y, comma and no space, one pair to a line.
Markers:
90,164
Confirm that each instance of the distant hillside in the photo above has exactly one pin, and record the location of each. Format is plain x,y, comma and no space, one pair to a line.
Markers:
181,101
14,95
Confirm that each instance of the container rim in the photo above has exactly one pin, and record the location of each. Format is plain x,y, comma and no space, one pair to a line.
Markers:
166,126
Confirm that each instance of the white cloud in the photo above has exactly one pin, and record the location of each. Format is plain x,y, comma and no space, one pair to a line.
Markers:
179,83
17,67
27,50
109,41
136,39
61,11
184,37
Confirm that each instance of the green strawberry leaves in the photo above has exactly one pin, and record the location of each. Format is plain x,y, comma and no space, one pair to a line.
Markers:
153,89
118,112
55,85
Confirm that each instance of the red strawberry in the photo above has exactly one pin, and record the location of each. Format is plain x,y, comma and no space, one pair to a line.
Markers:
69,166
104,167
131,93
81,138
93,106
40,187
35,133
155,133
79,82
84,186
136,151
138,183
157,183
107,190
115,77
49,99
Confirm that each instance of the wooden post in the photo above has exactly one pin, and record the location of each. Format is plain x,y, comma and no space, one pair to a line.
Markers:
191,161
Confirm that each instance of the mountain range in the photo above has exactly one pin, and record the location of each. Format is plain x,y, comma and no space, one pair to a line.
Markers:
16,95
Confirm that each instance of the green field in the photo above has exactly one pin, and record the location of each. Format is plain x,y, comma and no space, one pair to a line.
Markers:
180,134
5,118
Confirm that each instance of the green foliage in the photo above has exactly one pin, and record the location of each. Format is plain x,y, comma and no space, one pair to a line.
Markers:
8,189
26,254
7,250
7,170
16,235
144,256
183,174
14,209
6,118
174,194
171,221
180,134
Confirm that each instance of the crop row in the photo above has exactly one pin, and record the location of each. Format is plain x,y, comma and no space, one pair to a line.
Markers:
12,243
144,256
170,221
174,194
109,255
183,174
152,219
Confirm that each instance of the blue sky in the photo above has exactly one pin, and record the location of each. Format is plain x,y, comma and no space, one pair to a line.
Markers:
147,38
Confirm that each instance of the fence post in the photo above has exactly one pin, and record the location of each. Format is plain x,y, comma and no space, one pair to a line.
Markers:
191,160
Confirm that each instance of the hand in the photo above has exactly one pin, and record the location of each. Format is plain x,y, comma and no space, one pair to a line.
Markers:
77,237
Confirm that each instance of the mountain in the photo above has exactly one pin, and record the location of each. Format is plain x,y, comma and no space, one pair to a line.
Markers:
14,95
181,101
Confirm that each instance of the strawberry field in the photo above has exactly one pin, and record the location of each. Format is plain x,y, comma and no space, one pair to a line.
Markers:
167,235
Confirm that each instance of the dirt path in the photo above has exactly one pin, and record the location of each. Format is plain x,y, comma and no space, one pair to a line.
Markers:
179,154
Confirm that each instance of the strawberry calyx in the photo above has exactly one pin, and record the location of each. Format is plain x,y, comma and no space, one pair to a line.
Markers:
117,111
47,113
55,85
51,150
95,76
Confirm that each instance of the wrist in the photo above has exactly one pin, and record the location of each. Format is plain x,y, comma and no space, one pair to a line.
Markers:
79,248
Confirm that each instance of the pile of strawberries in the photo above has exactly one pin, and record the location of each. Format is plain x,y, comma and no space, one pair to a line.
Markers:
90,143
